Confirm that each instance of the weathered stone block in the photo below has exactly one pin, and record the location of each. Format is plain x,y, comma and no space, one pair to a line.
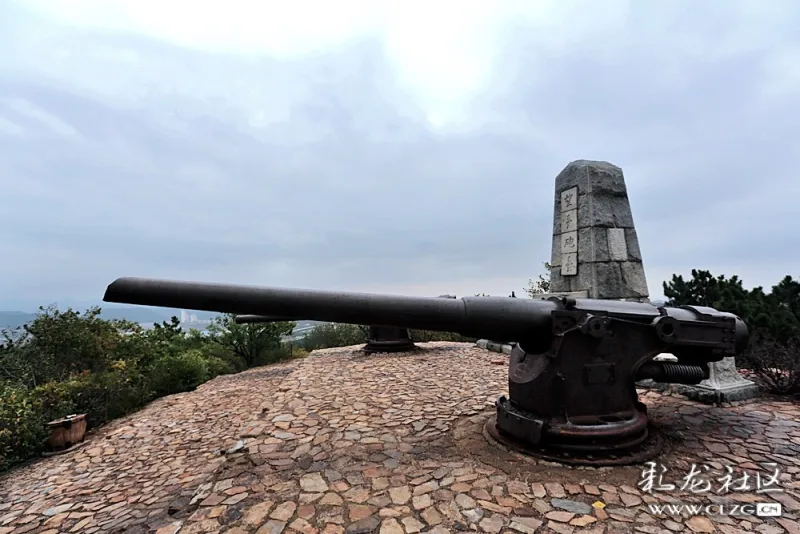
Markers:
604,210
558,283
556,221
584,211
634,283
555,252
608,281
632,242
599,176
584,281
617,246
592,245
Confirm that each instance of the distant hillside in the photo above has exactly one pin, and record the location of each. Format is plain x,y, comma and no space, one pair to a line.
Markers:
302,325
141,314
12,319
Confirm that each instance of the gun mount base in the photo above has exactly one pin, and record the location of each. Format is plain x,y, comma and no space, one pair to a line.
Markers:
645,449
389,339
389,346
584,434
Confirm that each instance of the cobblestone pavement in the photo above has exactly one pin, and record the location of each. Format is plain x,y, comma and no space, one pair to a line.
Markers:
341,443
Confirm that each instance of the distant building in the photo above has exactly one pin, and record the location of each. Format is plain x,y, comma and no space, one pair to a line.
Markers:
187,317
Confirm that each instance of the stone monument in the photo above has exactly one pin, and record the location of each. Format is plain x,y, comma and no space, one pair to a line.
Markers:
595,247
596,255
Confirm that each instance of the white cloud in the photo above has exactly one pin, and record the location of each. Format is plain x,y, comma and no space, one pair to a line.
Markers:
243,27
51,122
443,51
9,127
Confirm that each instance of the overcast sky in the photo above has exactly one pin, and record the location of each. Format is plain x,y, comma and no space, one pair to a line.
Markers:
401,147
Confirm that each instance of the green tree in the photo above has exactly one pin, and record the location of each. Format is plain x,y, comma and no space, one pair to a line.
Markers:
254,343
541,285
704,289
783,305
774,315
57,345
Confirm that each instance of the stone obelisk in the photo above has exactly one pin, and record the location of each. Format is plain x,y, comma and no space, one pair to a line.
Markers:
596,255
595,247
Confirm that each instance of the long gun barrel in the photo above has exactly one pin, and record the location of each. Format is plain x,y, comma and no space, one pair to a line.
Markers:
486,317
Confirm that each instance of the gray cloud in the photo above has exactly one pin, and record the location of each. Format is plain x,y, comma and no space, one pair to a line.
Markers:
134,157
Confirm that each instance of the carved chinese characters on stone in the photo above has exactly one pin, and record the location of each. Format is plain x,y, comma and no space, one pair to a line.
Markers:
617,248
569,264
569,199
569,242
569,220
569,232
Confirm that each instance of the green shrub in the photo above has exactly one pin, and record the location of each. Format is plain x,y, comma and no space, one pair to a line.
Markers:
424,336
331,335
175,374
775,365
101,396
22,429
106,396
275,355
54,400
299,352
218,366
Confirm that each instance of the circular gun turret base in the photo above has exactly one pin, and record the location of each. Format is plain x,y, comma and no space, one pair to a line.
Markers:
373,346
641,451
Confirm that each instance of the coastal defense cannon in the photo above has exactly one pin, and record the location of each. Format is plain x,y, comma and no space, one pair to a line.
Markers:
573,368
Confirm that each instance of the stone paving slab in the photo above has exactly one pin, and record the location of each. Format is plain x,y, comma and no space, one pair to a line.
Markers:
343,443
